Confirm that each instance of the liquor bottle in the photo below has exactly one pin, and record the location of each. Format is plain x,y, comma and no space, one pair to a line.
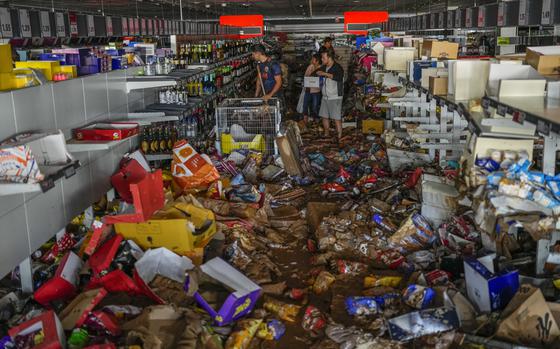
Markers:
162,141
154,143
145,144
195,59
168,139
200,88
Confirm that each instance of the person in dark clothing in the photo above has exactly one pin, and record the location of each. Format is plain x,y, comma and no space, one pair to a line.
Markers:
332,75
269,74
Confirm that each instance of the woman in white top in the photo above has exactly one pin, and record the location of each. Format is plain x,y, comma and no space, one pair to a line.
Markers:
312,97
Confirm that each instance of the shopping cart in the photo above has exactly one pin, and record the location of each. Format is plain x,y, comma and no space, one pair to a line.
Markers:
247,123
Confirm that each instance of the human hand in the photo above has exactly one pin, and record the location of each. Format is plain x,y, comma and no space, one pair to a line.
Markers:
267,97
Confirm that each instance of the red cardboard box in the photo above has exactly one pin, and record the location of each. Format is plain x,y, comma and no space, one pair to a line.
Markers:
78,310
49,323
63,284
107,131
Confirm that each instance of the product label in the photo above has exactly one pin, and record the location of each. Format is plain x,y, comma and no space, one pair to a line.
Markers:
6,30
60,28
45,24
90,25
109,26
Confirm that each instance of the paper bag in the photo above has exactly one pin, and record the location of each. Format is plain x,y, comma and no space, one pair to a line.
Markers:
528,320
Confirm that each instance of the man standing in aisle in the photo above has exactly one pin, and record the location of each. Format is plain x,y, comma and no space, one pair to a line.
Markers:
269,75
327,44
332,76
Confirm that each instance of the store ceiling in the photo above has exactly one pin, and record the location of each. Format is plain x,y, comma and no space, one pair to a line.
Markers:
211,9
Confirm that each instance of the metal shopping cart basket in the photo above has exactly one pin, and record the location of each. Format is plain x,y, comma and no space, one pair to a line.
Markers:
247,123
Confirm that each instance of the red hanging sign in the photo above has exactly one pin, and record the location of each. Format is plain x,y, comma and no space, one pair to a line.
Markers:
354,22
250,26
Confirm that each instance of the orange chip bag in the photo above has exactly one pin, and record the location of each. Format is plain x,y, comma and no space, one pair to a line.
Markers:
190,169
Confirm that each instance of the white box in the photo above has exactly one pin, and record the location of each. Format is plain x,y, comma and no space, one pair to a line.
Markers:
397,58
311,81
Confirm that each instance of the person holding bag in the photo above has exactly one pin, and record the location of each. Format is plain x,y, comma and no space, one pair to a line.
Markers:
312,97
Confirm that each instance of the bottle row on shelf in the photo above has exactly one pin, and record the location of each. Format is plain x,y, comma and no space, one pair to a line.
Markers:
208,52
206,84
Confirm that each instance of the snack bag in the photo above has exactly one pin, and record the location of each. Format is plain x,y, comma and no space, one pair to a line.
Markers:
190,169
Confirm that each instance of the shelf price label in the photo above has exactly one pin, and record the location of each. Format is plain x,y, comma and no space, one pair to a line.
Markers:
543,127
503,40
124,25
45,22
136,26
24,23
6,29
60,27
143,27
502,110
518,116
150,27
73,20
546,10
131,26
109,26
90,25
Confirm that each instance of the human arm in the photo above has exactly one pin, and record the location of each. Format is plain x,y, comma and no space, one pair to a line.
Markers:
276,88
258,84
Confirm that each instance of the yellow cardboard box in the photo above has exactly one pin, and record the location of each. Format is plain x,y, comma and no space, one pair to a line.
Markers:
6,65
182,228
374,126
49,68
71,70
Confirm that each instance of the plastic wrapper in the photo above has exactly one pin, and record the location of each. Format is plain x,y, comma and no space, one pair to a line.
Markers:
314,320
285,311
393,259
437,277
271,330
488,164
418,297
380,280
515,188
366,306
242,338
18,164
350,267
413,235
79,338
323,282
190,169
384,223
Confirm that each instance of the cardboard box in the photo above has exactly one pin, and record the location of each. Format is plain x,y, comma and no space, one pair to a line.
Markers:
6,65
487,290
316,211
49,324
240,301
64,282
311,81
289,153
77,311
438,85
374,126
397,58
48,68
147,196
545,59
179,227
440,49
111,131
426,74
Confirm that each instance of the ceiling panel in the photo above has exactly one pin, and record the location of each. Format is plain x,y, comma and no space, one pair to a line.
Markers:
211,9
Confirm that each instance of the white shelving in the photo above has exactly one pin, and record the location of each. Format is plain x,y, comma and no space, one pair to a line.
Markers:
75,146
145,82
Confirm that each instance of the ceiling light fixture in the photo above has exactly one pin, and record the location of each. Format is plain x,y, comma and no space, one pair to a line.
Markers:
207,5
224,4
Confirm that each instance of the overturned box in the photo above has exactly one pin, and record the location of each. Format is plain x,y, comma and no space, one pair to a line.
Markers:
240,302
181,228
488,290
50,327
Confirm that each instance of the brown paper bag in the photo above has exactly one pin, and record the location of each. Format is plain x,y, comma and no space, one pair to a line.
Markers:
528,320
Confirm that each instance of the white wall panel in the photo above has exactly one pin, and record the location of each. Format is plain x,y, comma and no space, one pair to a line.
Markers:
15,241
7,120
95,92
69,105
45,216
34,108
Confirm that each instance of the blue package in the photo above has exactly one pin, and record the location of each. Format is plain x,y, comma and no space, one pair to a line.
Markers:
520,166
276,328
237,180
554,187
418,66
533,176
495,178
419,297
488,164
362,306
421,323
